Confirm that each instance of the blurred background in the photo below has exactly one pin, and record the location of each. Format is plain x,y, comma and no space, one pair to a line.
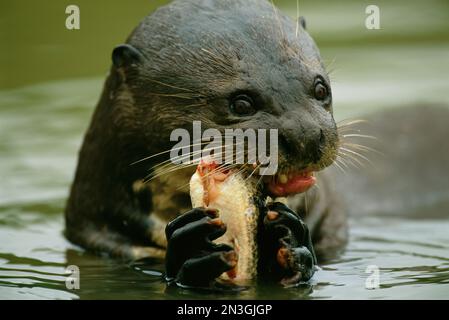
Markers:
51,79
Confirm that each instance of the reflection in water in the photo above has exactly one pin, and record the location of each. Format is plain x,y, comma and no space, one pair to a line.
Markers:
34,257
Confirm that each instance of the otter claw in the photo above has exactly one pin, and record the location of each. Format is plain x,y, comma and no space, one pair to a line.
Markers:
287,244
192,259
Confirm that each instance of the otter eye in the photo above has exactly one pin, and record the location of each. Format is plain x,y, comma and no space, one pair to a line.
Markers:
242,105
320,91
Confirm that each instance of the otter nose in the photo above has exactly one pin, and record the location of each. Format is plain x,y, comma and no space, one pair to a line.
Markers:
314,147
304,143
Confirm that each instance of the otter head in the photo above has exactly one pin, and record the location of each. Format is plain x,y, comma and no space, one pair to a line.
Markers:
231,64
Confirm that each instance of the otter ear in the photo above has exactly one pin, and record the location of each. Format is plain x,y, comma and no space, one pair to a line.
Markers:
302,21
125,55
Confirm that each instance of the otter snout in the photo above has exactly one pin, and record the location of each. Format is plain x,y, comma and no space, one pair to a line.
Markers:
316,146
303,143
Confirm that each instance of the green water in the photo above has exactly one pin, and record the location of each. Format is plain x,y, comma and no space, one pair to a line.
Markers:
51,78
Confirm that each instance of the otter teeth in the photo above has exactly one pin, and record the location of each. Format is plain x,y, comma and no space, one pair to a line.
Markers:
283,178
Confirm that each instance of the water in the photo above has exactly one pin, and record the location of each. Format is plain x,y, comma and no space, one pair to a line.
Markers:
42,123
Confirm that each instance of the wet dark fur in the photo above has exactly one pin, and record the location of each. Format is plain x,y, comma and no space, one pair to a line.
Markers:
191,58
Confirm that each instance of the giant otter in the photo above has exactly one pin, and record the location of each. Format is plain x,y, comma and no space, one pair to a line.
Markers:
230,64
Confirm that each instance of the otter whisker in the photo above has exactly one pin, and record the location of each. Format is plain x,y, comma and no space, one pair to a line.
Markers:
177,167
357,154
183,156
178,95
297,19
331,72
195,105
170,86
253,171
351,158
349,122
198,152
330,65
278,20
345,128
352,135
343,161
222,63
178,148
224,166
336,163
167,151
174,167
259,180
241,167
169,163
345,131
362,147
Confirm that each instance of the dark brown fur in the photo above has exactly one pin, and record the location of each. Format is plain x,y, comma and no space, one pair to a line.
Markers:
192,56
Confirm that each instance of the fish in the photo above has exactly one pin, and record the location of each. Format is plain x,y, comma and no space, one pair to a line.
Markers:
236,196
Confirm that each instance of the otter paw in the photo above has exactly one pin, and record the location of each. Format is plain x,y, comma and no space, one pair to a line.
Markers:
286,252
192,259
297,263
